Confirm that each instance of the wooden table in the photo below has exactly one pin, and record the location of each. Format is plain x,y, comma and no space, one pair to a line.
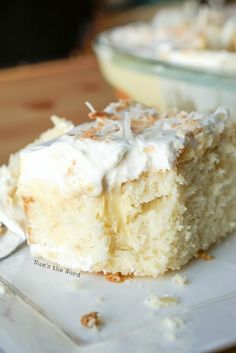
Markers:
29,95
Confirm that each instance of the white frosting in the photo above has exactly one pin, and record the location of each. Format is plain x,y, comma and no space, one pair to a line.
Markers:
207,33
138,140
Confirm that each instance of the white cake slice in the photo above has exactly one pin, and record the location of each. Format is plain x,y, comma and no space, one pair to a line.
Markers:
132,191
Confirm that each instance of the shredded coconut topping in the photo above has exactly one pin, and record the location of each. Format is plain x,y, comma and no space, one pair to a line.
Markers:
180,279
91,320
119,144
156,302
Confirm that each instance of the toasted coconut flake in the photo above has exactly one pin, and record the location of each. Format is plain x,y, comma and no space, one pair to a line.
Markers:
198,130
101,123
182,114
203,255
140,124
91,320
118,277
26,203
2,228
90,107
98,128
175,125
103,115
127,128
191,124
89,133
114,117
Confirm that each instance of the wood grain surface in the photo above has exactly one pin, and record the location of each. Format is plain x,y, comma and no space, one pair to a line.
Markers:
29,95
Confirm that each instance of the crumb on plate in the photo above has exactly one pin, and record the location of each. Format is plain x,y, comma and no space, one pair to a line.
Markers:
180,279
91,320
157,302
2,228
172,323
117,277
203,255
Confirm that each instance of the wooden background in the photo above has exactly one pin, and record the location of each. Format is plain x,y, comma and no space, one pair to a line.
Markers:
29,95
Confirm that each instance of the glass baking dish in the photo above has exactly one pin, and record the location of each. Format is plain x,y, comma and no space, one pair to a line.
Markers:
162,84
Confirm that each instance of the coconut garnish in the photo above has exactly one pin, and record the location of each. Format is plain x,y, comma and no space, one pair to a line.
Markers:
90,107
3,228
127,128
222,113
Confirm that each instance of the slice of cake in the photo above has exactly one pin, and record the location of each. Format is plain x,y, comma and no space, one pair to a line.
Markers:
132,191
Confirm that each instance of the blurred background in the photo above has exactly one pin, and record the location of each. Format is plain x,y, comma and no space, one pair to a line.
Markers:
35,31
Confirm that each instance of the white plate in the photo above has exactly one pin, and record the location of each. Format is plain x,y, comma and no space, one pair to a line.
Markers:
207,309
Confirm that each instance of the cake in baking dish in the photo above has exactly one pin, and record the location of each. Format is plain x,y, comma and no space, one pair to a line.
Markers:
192,35
131,191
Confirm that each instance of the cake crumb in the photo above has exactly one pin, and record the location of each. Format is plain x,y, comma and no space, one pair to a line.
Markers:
157,302
103,115
171,326
180,279
89,133
2,229
118,277
203,255
91,320
172,323
75,286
